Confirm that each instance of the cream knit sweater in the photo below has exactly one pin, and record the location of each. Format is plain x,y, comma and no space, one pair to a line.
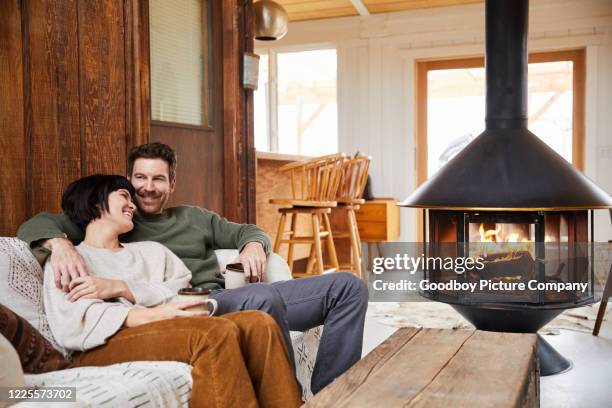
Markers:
152,272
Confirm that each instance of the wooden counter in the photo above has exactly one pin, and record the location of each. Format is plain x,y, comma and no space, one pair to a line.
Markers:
271,183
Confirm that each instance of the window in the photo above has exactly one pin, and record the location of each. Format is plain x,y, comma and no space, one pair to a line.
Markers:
261,107
295,105
455,90
179,46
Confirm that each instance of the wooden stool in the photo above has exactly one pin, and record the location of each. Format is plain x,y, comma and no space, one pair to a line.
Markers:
319,218
354,176
314,184
352,234
607,292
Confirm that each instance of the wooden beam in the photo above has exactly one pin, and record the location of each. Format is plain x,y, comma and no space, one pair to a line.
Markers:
138,97
232,125
14,200
300,10
360,7
239,150
420,149
533,118
249,121
303,126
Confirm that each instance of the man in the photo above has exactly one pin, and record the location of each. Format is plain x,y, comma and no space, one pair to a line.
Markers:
338,300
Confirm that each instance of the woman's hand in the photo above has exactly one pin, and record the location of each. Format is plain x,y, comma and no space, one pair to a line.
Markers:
91,287
137,317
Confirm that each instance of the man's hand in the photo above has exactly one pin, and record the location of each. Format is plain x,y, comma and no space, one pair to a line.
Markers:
137,317
91,287
253,259
66,262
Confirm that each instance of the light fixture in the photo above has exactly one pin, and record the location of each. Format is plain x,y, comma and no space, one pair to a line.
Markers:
270,20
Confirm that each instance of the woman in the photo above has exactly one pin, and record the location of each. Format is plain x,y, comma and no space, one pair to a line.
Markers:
119,312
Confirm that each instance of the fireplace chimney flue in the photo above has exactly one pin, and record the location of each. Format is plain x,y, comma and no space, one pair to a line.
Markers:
506,63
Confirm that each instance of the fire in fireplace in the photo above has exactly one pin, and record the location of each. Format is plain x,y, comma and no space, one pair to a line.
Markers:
513,202
538,257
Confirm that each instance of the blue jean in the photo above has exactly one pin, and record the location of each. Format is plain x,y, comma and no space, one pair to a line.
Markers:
338,301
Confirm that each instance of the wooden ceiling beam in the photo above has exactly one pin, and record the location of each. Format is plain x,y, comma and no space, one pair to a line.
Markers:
300,10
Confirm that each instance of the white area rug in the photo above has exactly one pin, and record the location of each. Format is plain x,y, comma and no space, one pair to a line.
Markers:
442,316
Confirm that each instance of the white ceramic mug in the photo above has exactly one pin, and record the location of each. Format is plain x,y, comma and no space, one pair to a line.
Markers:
189,294
235,278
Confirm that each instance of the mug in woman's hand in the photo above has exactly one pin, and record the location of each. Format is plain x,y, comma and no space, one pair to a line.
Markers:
189,294
235,277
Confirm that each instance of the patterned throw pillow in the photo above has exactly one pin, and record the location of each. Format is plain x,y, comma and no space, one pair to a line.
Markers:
36,354
21,280
305,347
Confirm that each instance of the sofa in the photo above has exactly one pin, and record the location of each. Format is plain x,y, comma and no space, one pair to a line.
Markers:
132,384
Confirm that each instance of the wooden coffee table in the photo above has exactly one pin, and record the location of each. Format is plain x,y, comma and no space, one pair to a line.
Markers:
441,368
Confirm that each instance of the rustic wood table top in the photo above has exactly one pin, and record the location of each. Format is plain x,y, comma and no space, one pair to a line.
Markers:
441,368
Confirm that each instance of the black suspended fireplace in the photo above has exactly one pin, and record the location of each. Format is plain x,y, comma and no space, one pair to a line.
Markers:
514,202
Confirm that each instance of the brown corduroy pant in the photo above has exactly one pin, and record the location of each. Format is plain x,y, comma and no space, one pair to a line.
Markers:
239,360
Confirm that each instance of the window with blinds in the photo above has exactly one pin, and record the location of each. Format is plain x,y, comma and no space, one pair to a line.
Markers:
179,47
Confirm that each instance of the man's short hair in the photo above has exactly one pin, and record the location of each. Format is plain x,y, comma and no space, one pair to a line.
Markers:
153,151
86,198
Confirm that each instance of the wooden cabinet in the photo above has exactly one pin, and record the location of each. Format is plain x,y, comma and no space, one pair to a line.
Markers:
378,220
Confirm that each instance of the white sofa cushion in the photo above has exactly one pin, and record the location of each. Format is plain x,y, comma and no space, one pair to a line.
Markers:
124,385
21,280
161,384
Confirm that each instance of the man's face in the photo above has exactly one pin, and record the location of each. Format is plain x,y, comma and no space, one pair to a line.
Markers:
151,179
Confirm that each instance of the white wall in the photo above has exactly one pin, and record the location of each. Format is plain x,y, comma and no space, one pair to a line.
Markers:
376,56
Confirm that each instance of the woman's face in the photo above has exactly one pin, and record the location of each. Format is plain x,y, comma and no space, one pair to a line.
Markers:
120,211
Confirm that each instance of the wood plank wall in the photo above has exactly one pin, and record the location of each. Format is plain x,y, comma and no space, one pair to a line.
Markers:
75,97
68,94
13,189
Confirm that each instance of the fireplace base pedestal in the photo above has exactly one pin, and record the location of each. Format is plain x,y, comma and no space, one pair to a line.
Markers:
519,320
551,361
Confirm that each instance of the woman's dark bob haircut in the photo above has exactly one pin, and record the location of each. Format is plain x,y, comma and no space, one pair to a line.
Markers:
86,198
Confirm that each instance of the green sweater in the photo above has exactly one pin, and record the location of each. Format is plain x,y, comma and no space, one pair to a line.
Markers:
192,233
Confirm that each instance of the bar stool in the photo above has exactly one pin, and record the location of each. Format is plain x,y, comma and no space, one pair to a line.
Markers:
605,296
314,185
354,176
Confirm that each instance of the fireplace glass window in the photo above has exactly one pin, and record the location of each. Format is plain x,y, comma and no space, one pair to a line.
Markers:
515,248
